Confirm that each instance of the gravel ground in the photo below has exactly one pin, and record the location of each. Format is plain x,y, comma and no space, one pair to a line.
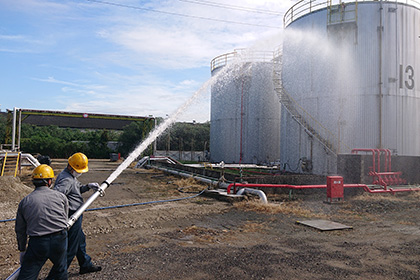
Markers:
203,238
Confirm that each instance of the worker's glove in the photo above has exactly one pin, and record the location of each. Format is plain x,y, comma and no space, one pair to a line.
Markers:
96,188
22,254
93,186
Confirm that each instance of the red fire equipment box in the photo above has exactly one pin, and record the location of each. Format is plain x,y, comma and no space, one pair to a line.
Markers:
335,189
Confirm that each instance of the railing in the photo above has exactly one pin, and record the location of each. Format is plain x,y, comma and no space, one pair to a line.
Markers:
242,55
342,12
306,120
5,147
304,7
311,125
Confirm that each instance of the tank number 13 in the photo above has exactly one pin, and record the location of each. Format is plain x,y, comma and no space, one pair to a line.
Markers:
407,76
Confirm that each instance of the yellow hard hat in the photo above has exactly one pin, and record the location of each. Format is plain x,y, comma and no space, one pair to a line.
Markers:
43,171
79,162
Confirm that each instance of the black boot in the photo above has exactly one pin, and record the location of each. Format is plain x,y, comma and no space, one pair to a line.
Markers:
89,269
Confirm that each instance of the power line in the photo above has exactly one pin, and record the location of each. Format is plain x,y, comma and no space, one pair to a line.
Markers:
232,7
177,14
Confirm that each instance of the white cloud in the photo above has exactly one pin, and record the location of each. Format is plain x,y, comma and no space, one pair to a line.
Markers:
122,60
181,42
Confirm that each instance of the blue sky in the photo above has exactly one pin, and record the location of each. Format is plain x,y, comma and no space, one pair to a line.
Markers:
124,56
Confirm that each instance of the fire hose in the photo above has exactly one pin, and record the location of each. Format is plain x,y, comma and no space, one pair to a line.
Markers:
101,189
137,151
74,217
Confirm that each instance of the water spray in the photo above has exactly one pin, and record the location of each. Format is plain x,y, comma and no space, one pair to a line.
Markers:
138,150
152,137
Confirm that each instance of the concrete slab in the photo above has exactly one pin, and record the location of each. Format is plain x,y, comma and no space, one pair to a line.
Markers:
324,225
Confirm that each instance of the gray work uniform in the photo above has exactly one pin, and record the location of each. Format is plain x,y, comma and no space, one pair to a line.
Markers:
42,212
73,189
43,216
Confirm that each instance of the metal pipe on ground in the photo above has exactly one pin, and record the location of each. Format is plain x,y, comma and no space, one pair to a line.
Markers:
243,185
229,186
260,193
209,181
302,187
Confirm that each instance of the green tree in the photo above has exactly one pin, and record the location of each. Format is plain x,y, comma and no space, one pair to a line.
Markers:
186,137
97,146
63,142
133,134
2,128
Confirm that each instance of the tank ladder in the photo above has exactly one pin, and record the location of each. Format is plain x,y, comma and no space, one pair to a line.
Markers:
10,164
312,126
341,12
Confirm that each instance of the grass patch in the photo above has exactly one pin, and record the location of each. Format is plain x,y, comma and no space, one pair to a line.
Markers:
288,208
188,185
377,197
253,227
203,235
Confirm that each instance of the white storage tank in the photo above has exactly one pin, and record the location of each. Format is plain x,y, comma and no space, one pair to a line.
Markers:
245,111
355,68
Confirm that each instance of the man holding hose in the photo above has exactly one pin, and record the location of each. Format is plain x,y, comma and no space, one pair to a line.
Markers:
68,184
42,215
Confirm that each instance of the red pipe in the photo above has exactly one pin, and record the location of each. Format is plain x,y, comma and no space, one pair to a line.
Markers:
388,190
301,187
377,152
387,158
234,185
354,151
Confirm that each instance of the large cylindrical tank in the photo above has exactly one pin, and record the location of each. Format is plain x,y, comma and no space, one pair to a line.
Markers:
355,68
245,111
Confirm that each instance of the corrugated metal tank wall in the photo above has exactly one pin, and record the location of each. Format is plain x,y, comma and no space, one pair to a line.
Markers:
245,116
334,71
401,83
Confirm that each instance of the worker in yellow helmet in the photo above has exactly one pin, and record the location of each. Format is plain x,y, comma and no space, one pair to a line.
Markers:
68,184
42,215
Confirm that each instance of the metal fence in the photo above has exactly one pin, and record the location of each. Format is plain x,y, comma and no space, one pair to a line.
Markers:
198,156
241,55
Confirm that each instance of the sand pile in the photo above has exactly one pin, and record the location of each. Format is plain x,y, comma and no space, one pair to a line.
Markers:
12,190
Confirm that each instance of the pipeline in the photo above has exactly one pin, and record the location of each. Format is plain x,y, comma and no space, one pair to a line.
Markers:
145,203
210,181
261,194
7,220
229,186
243,185
377,152
14,275
31,159
302,187
245,188
382,178
129,205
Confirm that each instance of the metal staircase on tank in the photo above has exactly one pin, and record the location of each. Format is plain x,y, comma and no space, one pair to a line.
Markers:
10,164
300,115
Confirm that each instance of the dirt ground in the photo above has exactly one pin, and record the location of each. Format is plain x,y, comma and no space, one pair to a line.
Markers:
204,238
